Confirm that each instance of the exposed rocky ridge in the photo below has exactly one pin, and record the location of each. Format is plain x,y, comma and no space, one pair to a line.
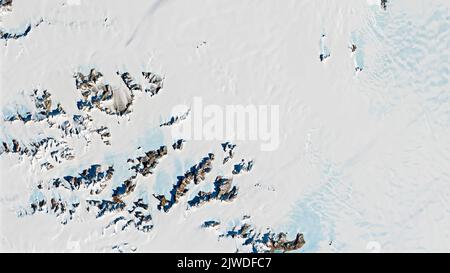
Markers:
5,35
178,145
48,151
196,174
104,134
81,126
53,203
123,207
48,198
138,212
93,181
145,164
155,82
129,81
104,206
210,224
94,178
6,5
243,167
97,94
137,215
223,191
109,99
228,148
176,119
384,4
44,108
267,241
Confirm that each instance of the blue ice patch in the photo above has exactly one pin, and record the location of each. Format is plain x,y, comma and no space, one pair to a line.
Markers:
152,139
36,197
164,183
359,53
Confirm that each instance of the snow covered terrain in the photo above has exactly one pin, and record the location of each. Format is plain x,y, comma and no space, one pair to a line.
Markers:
115,137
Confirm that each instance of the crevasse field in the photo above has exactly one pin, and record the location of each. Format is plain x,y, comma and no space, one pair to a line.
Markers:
341,141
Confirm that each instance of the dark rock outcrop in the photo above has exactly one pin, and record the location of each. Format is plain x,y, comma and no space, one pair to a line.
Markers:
243,167
58,151
126,188
43,109
155,83
324,52
5,35
104,134
175,119
178,145
96,94
228,148
210,224
384,4
6,5
265,242
140,213
196,174
137,215
94,178
145,164
223,191
129,81
105,206
62,209
279,242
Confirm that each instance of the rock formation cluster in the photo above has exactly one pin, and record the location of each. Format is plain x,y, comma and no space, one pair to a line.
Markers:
228,148
196,174
94,189
267,241
223,191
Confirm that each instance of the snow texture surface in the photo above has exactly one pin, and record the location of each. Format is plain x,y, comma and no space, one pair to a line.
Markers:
88,158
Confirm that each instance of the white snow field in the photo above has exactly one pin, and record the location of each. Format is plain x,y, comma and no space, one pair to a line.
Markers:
355,154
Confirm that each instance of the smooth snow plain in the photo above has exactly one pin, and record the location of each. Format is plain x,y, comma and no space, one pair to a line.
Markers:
363,159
